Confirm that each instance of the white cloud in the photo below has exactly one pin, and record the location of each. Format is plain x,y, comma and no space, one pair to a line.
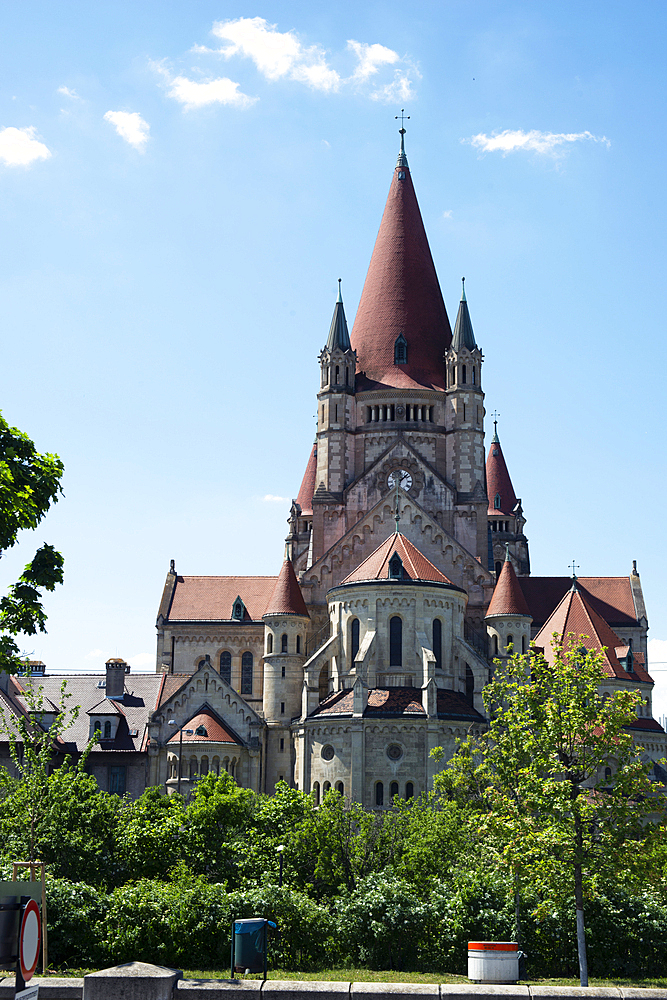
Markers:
276,54
130,126
95,654
270,498
400,89
447,214
371,57
19,148
66,92
198,94
535,141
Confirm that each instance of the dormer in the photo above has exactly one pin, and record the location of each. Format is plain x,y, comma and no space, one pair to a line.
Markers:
238,610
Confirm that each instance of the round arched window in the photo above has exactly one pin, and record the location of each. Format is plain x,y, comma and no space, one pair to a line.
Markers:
394,751
328,752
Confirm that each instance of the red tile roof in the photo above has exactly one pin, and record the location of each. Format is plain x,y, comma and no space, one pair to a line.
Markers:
649,724
575,614
401,295
452,705
610,596
210,598
216,731
508,597
415,565
395,701
287,598
305,497
498,482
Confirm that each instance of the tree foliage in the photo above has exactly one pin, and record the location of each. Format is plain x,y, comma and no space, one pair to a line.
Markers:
29,484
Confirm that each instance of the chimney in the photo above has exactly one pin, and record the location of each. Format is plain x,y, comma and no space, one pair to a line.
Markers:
116,670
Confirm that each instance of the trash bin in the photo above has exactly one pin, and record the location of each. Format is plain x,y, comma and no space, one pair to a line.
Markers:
493,961
249,944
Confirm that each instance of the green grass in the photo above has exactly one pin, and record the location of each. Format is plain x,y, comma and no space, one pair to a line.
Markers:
380,976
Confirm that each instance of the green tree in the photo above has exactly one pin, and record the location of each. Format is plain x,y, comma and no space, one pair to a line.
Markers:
540,776
34,738
29,484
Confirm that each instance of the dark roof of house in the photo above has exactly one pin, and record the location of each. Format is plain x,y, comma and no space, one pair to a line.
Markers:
610,596
463,335
338,335
216,730
415,565
399,701
507,596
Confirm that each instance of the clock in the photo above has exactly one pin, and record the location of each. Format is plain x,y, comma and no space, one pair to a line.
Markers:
404,479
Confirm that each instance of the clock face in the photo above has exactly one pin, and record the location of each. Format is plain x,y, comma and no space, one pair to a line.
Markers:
404,479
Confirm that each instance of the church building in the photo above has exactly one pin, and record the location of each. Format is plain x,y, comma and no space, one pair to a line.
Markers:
406,571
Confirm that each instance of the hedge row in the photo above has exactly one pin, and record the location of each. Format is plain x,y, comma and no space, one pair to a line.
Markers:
384,924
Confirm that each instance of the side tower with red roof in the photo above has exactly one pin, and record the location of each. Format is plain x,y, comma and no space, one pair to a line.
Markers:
505,514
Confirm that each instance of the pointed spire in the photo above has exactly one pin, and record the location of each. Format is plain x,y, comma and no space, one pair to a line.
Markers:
463,335
502,498
508,596
305,497
287,598
338,335
402,295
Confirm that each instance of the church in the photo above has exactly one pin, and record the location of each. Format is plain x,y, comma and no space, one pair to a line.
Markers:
406,574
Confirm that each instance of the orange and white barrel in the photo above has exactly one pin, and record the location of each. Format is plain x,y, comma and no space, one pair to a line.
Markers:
493,961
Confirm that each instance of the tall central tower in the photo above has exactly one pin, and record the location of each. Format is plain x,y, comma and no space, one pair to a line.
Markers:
399,397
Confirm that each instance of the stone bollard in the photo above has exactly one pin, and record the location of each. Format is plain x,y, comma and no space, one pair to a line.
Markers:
132,981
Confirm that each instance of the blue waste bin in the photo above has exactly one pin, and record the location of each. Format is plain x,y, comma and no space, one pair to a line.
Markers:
249,944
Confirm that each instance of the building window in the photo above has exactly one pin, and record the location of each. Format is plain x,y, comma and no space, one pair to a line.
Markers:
495,645
324,682
340,787
326,787
354,639
395,642
437,643
316,792
269,643
204,765
473,374
524,644
409,790
282,670
337,374
97,728
379,794
395,567
283,643
193,768
282,707
393,789
510,644
298,643
282,744
226,666
470,685
238,610
107,730
246,673
117,780
499,566
464,378
400,350
497,501
607,774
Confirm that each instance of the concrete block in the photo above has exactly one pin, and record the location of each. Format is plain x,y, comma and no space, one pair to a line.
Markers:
218,989
574,992
480,991
131,981
50,988
304,989
636,993
370,991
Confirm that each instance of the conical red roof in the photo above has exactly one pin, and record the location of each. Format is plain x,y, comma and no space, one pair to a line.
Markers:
508,597
402,296
574,615
305,497
287,598
415,565
498,482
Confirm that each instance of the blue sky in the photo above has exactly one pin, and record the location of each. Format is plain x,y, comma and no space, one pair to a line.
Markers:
181,185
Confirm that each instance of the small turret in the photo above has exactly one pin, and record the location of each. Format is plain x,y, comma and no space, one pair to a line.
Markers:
508,619
505,513
335,401
286,624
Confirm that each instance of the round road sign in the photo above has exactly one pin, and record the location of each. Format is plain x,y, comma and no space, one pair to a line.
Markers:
30,940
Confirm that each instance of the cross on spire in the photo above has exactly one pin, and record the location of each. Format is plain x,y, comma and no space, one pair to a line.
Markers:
575,567
495,416
404,118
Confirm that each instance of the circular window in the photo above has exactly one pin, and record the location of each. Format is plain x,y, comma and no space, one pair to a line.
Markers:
328,752
394,751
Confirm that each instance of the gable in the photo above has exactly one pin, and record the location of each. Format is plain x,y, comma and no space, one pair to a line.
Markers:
360,541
